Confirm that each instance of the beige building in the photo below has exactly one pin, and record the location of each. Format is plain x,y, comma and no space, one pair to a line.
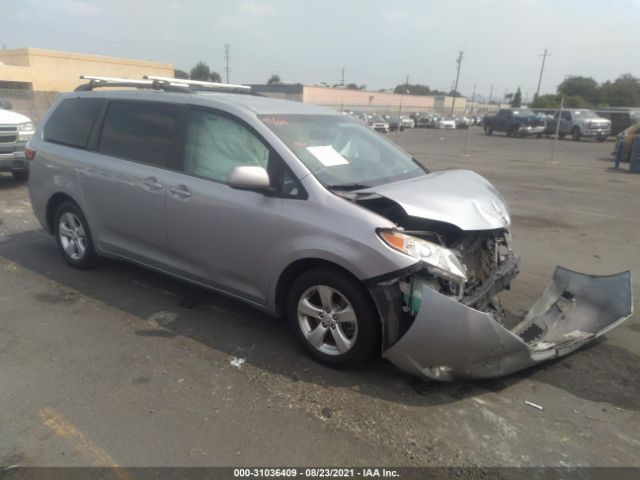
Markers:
346,99
55,71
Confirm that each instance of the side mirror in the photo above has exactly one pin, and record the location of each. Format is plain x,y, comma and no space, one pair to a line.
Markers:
246,177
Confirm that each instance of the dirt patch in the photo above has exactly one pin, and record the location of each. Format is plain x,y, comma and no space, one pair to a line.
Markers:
532,221
56,297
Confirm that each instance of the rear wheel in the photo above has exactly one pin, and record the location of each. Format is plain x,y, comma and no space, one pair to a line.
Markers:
74,237
488,130
333,318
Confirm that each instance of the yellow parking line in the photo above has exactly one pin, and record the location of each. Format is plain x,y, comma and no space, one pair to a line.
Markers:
61,427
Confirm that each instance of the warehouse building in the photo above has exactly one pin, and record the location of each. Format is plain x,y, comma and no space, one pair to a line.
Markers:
35,69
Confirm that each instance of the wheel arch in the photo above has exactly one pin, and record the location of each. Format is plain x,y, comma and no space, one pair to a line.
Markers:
52,205
296,268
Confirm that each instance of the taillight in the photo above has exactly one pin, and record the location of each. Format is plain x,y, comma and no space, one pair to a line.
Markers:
29,153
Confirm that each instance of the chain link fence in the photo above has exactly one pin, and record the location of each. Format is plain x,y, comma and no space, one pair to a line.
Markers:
33,104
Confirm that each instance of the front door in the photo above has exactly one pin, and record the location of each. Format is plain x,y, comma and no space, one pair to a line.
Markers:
219,235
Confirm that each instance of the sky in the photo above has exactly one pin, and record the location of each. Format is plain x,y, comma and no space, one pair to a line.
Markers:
378,43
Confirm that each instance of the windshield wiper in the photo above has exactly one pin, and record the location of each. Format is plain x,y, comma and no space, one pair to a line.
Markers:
348,186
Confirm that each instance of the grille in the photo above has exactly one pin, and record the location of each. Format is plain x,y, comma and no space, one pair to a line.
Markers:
533,332
8,138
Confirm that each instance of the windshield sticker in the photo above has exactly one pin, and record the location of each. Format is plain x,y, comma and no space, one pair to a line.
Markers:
328,156
275,121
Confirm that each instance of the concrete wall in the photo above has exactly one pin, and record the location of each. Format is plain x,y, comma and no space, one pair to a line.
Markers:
56,71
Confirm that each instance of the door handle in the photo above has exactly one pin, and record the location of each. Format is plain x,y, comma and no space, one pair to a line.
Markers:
152,184
181,192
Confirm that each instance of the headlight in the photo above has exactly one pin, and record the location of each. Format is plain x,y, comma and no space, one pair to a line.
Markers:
441,260
25,131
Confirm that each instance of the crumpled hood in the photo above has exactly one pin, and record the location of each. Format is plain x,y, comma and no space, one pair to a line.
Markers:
7,117
459,197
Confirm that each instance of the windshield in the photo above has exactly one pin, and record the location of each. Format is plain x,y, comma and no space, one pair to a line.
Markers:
523,113
586,114
342,152
376,119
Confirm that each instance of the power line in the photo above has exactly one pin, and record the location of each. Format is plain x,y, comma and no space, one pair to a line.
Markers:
544,57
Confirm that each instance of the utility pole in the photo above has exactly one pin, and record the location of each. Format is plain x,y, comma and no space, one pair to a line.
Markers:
342,83
544,57
226,58
491,94
455,88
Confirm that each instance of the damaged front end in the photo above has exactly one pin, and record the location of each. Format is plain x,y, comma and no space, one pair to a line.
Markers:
442,317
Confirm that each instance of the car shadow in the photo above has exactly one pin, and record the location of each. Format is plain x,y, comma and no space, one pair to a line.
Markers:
7,182
172,308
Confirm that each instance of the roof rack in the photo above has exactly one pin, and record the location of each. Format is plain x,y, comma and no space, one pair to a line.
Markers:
158,83
198,83
98,81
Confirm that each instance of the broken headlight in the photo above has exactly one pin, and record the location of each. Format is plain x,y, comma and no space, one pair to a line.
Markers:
440,260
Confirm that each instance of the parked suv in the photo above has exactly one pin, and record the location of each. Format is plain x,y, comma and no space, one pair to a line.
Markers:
15,132
307,213
580,123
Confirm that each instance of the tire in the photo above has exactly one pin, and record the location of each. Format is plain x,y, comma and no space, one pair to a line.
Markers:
488,130
561,135
76,245
340,344
20,175
575,134
539,135
600,139
509,132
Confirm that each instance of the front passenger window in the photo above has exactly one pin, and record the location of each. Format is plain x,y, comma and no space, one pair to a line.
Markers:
215,144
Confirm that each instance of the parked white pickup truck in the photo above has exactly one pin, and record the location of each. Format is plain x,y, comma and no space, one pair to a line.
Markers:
580,123
15,132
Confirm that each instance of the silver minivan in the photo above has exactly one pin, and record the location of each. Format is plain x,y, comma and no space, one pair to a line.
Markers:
305,213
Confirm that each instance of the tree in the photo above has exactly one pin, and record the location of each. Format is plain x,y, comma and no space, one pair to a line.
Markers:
585,87
215,77
623,92
517,99
417,89
351,86
200,72
546,101
274,79
177,73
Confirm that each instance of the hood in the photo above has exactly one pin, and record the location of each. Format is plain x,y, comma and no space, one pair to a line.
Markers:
458,197
7,117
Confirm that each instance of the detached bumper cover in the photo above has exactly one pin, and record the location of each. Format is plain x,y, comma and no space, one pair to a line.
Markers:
449,340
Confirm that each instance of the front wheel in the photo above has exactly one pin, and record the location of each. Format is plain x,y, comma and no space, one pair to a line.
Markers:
488,130
575,134
333,318
74,237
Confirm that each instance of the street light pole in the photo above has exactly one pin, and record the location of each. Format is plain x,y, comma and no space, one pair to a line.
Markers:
455,88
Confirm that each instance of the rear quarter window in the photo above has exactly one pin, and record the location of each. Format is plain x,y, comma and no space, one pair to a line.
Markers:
71,123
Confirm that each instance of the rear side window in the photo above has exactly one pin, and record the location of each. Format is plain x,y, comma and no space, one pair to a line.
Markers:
72,121
143,132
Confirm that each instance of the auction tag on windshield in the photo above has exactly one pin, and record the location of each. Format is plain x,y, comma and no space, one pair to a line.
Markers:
328,155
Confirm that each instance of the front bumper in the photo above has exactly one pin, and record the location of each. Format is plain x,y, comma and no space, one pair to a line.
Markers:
596,132
532,130
449,340
13,161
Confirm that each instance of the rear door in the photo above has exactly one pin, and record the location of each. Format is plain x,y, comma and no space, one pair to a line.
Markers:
218,235
124,181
